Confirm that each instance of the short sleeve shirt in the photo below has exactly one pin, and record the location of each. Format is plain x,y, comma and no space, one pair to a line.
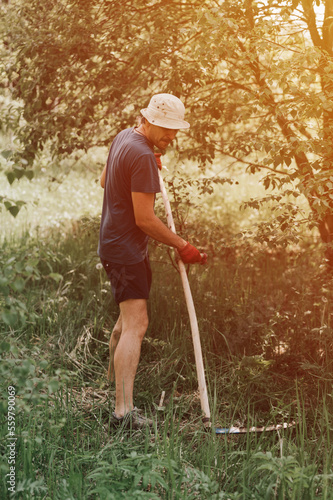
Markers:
131,167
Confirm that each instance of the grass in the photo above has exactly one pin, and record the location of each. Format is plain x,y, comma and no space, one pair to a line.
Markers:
265,323
264,318
58,194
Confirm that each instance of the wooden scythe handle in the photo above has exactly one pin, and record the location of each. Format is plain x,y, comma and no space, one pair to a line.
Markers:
192,315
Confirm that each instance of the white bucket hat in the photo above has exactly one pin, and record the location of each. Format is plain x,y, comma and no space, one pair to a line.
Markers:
166,110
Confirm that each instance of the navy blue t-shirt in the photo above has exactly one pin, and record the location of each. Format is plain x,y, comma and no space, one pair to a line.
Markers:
131,167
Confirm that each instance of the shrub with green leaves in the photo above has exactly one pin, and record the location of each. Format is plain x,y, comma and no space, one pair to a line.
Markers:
21,267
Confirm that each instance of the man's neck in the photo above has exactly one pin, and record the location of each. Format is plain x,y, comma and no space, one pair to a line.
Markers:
140,130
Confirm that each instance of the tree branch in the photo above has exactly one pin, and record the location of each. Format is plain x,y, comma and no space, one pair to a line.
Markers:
251,164
310,18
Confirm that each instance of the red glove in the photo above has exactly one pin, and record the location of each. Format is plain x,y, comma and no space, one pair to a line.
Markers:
190,255
158,160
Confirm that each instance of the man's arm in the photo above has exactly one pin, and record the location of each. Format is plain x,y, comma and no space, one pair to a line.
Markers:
102,179
149,223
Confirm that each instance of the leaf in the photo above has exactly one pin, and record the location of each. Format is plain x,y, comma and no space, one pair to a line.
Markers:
56,277
146,479
53,386
3,282
7,153
4,346
10,317
10,177
29,174
14,210
18,285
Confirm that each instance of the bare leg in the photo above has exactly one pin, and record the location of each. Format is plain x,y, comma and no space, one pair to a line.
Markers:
126,359
114,339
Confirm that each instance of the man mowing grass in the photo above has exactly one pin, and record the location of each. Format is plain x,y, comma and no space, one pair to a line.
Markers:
130,181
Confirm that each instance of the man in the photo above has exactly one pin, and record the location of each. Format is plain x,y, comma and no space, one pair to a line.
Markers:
131,181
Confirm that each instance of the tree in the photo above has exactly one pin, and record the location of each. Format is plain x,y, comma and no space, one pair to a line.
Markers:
256,79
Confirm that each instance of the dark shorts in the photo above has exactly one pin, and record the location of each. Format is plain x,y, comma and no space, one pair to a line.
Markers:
129,281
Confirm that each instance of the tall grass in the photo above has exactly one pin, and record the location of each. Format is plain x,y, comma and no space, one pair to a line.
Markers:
264,319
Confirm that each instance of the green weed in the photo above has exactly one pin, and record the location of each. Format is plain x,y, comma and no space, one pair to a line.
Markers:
265,332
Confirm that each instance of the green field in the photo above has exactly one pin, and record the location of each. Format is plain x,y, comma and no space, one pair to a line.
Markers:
264,316
250,183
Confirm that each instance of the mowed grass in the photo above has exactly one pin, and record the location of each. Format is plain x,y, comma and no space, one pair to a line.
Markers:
265,323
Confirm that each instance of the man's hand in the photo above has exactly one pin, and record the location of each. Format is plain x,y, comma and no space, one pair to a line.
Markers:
190,255
158,160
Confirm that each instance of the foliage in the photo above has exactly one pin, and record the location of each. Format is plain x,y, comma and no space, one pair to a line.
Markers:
254,77
20,268
56,197
264,324
284,474
140,475
28,374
